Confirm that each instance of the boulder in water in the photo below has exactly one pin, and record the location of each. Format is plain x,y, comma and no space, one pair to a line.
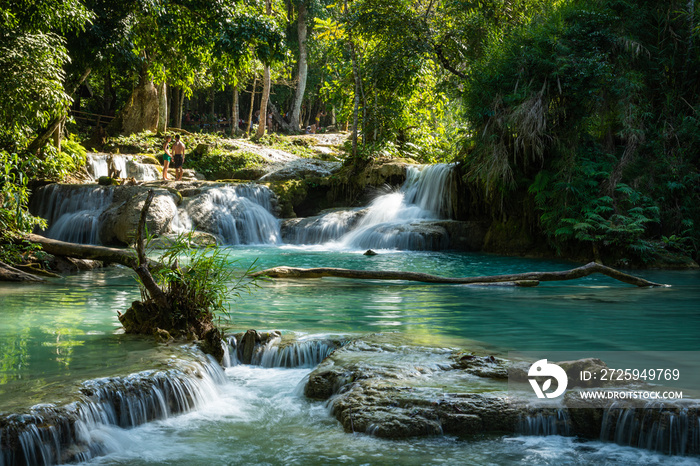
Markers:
149,160
107,181
118,223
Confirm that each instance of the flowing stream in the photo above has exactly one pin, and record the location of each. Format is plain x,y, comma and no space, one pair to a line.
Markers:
132,401
56,336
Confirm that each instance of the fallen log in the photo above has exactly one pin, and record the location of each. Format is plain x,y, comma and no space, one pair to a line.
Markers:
578,272
12,274
85,251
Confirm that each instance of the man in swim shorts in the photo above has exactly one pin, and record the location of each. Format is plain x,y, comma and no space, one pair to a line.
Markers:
178,157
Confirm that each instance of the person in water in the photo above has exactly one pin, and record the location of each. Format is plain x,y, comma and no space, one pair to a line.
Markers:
166,157
178,149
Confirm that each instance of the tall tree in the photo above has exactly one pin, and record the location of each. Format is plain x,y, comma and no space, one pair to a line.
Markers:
262,123
302,66
33,96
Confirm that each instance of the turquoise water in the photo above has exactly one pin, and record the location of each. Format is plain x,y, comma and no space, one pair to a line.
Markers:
55,335
593,313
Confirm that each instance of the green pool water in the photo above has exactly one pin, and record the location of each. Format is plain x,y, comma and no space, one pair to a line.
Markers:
55,335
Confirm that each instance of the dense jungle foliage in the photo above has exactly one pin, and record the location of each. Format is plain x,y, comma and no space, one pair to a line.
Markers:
576,120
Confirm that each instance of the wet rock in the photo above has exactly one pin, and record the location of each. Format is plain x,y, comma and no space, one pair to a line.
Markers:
247,346
382,388
465,235
107,181
251,341
118,223
163,336
149,160
482,366
63,265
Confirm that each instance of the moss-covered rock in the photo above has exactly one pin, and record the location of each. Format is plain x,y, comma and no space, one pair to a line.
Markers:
290,194
149,160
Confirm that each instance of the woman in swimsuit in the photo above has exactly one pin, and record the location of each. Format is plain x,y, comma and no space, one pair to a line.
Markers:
166,157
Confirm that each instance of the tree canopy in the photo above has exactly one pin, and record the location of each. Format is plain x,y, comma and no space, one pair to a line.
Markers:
576,117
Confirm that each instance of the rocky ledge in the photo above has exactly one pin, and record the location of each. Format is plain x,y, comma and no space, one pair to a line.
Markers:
380,386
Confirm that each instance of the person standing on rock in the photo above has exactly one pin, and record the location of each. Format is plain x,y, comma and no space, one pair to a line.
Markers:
178,157
166,157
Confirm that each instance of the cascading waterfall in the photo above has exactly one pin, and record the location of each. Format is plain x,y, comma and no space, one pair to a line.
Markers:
55,435
549,422
403,219
276,353
322,228
239,214
72,212
397,220
655,426
298,354
128,166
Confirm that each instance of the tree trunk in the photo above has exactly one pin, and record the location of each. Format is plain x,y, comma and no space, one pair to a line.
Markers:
356,104
302,68
58,134
527,279
262,123
180,107
142,269
163,108
85,251
141,111
234,112
252,103
11,274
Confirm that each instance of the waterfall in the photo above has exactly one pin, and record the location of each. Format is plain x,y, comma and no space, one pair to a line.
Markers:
549,422
54,435
320,229
665,428
298,354
276,353
400,220
72,212
128,166
239,214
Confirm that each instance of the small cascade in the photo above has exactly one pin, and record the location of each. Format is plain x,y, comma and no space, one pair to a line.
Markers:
230,358
274,352
298,354
72,212
55,435
656,426
127,166
320,229
546,422
239,214
402,219
430,189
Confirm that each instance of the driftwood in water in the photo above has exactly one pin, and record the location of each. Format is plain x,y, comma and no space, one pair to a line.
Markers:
85,251
141,267
529,277
11,274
